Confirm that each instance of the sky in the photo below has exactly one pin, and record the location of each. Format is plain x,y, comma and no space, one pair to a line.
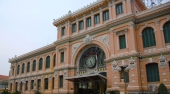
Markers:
26,25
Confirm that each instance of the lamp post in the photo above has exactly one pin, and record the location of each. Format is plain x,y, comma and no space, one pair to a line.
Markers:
124,73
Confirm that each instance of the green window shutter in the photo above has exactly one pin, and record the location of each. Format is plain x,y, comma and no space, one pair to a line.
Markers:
97,19
152,72
105,15
81,25
63,31
148,37
73,28
61,81
46,83
166,30
28,66
119,8
40,64
34,66
62,56
48,62
122,42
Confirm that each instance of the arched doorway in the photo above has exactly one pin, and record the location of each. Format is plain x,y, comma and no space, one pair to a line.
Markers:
91,71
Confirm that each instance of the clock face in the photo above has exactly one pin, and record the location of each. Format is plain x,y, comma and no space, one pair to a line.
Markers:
90,61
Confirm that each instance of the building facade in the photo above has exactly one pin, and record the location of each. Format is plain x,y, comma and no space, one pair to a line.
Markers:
107,45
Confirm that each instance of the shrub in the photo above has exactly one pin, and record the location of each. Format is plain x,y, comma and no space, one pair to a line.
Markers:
114,92
162,89
37,92
5,92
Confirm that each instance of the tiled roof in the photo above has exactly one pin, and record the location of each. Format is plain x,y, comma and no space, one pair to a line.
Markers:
3,77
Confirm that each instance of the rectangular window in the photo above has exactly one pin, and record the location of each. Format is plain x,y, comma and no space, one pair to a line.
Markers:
39,83
73,28
97,19
119,8
88,22
106,15
53,83
61,81
62,56
81,25
63,31
46,83
32,84
26,85
122,42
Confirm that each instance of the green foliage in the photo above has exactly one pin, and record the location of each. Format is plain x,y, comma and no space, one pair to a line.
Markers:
5,92
162,89
37,92
114,92
17,92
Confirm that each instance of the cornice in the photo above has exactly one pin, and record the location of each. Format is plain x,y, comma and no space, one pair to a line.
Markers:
95,30
78,12
153,12
33,53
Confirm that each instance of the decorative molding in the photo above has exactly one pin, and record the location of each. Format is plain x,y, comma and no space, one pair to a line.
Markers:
149,51
168,46
50,77
75,47
132,64
168,18
157,22
115,66
104,38
56,74
121,32
162,61
152,87
65,73
88,39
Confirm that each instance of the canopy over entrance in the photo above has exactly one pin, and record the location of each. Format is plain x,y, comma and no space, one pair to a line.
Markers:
88,77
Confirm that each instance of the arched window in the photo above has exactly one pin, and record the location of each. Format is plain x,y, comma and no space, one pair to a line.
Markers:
40,63
18,69
54,60
166,30
28,67
34,65
152,72
23,66
148,37
48,62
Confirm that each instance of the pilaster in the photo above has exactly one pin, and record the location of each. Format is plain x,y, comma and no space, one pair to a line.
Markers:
84,20
101,16
92,19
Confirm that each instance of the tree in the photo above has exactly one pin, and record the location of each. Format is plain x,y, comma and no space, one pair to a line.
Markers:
162,89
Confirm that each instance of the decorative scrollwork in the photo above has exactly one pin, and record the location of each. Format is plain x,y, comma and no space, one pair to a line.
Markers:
132,64
162,61
115,66
88,39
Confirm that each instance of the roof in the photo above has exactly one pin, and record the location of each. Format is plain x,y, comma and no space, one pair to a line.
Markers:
3,77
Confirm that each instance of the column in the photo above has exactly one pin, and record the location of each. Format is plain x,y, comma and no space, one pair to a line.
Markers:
113,10
69,30
129,7
101,16
42,84
124,7
92,19
132,40
77,26
37,65
13,86
50,84
66,29
67,52
51,62
18,88
25,68
110,10
44,61
112,41
84,20
59,32
31,64
29,85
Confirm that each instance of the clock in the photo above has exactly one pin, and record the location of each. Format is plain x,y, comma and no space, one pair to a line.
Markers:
90,61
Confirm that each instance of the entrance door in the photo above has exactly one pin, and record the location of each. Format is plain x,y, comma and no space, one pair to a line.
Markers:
91,88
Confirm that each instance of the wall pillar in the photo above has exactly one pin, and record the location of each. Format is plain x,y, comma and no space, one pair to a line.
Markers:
51,62
101,16
84,20
92,19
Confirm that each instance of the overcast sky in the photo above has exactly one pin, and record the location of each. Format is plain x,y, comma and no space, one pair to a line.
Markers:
26,25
